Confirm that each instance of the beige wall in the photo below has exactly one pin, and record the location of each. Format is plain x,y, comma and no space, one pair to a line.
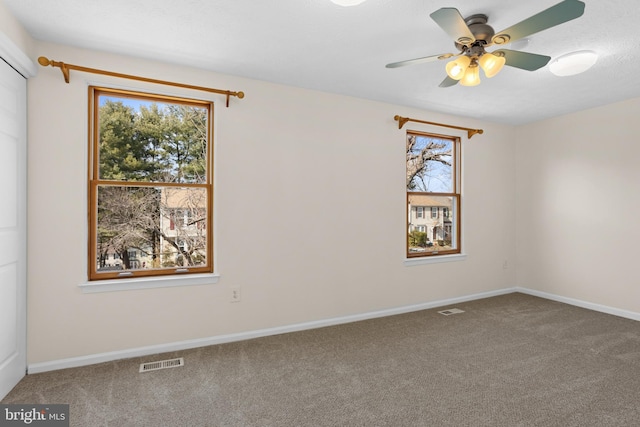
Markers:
578,202
310,214
12,29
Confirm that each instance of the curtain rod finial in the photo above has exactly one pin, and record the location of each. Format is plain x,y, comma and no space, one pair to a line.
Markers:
44,61
240,94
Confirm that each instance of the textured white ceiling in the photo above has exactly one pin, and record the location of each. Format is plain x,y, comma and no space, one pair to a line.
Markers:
319,45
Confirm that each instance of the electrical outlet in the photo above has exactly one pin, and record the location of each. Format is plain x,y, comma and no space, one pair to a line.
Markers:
235,295
505,265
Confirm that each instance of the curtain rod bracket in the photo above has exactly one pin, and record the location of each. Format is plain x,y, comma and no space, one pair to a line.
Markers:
471,132
65,68
403,120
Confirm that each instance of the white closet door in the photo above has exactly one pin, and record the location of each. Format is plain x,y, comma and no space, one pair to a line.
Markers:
13,234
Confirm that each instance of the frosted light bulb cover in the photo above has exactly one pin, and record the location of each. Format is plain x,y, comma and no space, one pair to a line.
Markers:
471,77
491,64
456,69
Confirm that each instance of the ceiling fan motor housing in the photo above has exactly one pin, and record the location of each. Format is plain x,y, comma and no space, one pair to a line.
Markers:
482,32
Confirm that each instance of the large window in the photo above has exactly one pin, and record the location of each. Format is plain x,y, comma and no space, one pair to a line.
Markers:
150,185
433,185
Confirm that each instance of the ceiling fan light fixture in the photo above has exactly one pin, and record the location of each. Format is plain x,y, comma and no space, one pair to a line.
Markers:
347,3
471,76
457,68
573,63
491,64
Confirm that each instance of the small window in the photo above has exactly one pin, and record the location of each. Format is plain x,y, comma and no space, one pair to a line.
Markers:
150,185
419,212
433,180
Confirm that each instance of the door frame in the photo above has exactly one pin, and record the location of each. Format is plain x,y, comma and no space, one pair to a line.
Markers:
15,57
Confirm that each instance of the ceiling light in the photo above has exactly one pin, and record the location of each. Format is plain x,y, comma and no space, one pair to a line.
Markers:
456,68
471,76
348,2
491,64
573,63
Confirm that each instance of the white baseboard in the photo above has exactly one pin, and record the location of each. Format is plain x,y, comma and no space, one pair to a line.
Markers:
91,359
579,303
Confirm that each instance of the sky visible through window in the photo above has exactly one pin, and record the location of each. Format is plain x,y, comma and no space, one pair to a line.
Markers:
134,103
436,175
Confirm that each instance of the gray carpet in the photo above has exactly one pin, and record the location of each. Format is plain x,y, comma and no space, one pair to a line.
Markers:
512,360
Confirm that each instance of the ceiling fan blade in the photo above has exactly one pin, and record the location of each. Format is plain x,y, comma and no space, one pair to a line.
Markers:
420,60
523,60
448,82
450,20
555,15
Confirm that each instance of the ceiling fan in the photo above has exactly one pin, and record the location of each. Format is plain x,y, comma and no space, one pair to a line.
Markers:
472,36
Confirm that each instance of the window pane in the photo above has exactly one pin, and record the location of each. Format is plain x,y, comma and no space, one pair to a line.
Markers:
151,227
143,140
430,234
184,223
429,164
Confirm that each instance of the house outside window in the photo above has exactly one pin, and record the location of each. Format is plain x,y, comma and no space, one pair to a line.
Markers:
150,185
447,231
433,182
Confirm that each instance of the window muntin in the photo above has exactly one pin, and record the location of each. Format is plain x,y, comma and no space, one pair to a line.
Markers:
150,185
433,183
